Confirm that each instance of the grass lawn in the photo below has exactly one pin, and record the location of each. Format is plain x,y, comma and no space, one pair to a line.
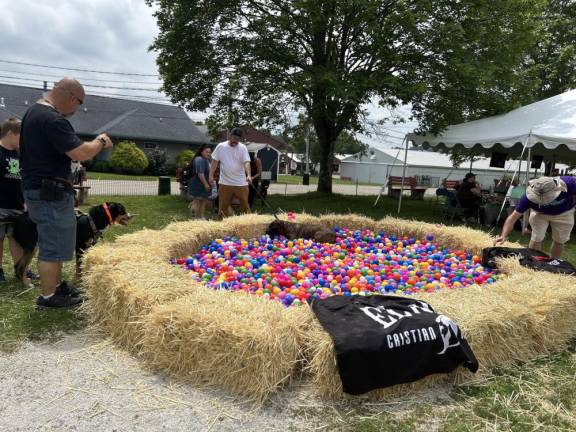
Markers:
537,395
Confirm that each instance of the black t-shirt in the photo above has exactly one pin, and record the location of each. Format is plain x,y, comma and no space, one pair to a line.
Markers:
465,191
45,137
10,181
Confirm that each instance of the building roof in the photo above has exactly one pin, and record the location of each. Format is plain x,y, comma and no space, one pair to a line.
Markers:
256,147
119,118
439,160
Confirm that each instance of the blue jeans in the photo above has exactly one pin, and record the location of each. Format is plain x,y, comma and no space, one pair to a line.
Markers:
56,224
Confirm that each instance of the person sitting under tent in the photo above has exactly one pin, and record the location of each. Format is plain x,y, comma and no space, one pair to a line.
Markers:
450,195
470,198
552,201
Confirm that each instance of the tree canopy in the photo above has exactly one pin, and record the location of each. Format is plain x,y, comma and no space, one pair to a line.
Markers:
258,61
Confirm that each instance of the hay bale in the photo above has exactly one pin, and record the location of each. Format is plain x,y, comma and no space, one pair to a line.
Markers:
245,344
119,296
177,325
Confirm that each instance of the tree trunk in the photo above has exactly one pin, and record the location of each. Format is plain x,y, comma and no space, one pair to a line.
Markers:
326,143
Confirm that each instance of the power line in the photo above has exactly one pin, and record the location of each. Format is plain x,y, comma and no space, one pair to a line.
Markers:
76,69
78,78
98,93
85,85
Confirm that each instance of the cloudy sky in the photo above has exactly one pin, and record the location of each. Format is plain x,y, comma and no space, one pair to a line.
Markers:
96,35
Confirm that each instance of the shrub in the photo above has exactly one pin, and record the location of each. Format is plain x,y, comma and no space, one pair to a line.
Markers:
171,169
156,162
184,158
100,166
128,158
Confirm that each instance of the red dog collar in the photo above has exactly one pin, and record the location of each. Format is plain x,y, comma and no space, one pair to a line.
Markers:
107,210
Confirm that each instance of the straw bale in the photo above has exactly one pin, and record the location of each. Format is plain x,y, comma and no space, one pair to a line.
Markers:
120,295
252,346
245,344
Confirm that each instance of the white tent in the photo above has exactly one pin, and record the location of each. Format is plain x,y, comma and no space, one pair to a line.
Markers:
547,127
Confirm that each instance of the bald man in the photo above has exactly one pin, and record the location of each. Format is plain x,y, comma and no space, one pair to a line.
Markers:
48,145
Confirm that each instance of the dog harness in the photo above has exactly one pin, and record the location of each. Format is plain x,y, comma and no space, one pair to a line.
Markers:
96,233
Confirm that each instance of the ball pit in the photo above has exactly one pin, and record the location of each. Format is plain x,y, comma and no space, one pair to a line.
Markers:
361,262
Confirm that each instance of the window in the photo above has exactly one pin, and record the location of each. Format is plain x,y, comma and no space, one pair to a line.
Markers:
149,145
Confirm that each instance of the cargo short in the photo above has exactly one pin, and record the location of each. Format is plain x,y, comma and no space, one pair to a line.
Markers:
56,224
561,225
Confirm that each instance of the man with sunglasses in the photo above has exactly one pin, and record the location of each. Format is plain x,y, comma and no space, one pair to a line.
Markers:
551,201
48,145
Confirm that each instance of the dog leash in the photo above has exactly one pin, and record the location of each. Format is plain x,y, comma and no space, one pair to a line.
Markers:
264,201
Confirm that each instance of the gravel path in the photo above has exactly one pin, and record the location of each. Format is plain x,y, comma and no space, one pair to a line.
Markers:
83,383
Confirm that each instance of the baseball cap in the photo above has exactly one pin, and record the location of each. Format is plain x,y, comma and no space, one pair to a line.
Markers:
544,190
468,175
236,132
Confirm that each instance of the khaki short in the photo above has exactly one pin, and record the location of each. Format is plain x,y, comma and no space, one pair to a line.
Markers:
561,224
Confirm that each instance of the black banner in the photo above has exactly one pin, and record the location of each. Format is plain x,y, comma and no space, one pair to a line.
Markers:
381,341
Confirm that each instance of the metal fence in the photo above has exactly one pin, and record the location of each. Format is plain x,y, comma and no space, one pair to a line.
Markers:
150,187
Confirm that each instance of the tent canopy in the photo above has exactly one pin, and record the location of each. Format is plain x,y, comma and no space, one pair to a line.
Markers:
548,127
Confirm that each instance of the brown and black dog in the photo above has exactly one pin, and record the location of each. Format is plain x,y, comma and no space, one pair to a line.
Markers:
292,231
89,229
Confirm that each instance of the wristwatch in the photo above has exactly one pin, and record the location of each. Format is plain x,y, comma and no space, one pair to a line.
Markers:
103,142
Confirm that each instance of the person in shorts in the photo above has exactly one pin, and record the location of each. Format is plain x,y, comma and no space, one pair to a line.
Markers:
199,189
551,201
48,145
11,198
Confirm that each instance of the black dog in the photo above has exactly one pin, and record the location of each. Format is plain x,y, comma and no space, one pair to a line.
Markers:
89,229
292,231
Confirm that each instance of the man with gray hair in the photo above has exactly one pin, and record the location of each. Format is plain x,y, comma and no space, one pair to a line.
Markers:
552,201
48,145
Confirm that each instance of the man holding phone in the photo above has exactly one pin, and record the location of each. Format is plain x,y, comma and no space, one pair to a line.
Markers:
48,145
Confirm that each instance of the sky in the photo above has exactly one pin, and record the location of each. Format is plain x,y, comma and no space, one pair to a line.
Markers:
104,36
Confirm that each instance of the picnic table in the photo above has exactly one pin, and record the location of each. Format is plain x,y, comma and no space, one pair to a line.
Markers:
396,186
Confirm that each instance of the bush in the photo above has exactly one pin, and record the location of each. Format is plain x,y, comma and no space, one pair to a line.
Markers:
128,158
184,158
156,162
171,169
100,166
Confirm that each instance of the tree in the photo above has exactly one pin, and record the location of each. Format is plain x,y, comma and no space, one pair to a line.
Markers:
552,60
458,156
256,61
295,135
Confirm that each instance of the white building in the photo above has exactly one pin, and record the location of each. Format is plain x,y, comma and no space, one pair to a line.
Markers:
429,167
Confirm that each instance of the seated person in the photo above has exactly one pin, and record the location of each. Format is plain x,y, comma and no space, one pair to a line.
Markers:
470,198
449,194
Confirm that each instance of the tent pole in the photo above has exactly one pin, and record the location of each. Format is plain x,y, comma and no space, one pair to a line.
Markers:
389,172
514,176
403,173
526,215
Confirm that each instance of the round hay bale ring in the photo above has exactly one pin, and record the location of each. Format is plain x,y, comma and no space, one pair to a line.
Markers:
252,346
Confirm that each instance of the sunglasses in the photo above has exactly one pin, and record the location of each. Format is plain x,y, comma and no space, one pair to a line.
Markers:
80,101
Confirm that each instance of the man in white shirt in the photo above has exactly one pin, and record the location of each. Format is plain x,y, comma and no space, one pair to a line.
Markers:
234,161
